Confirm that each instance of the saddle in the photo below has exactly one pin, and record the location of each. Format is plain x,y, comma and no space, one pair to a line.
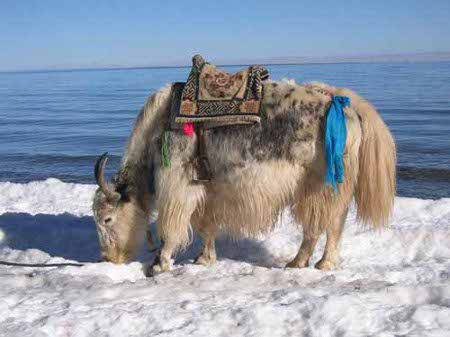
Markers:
213,98
217,98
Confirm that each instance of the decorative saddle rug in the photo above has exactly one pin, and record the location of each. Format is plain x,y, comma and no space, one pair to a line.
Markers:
215,96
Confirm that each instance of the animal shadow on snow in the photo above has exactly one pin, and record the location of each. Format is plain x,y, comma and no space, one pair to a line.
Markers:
75,238
244,250
65,235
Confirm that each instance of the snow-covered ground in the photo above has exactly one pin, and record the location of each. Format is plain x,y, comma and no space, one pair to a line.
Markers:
391,283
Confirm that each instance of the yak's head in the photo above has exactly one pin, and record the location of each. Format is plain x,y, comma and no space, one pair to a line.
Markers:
121,223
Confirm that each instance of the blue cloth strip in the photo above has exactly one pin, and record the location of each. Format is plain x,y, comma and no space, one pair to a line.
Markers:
335,139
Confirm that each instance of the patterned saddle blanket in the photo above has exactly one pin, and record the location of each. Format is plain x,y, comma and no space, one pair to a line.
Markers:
218,98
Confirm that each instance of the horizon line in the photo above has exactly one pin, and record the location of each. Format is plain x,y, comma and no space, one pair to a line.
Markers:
349,59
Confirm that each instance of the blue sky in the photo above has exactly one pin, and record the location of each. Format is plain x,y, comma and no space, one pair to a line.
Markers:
57,34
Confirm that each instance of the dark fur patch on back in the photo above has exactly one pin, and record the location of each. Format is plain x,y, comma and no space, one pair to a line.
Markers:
275,138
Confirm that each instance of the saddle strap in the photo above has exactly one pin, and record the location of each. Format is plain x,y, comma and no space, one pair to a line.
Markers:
177,90
201,170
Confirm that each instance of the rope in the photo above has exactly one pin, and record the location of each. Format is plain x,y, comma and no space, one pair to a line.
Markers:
165,152
40,265
53,265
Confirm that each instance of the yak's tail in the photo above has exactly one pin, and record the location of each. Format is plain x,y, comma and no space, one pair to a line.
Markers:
376,185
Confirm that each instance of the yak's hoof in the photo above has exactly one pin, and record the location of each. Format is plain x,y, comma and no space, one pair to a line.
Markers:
205,260
296,264
325,265
155,269
150,271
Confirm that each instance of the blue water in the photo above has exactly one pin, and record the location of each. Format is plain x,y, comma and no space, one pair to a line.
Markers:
55,124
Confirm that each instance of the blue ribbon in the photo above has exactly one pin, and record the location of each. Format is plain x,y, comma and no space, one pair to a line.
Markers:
335,139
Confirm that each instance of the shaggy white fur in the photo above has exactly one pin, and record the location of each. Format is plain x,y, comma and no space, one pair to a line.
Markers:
247,194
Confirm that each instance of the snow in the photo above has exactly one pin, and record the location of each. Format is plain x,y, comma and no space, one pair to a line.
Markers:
394,282
51,196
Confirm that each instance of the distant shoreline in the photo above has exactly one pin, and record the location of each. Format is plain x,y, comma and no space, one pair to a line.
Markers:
118,68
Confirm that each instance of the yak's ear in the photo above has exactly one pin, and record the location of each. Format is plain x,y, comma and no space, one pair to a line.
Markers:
111,194
123,190
121,185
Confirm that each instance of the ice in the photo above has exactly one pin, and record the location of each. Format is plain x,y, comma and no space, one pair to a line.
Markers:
394,282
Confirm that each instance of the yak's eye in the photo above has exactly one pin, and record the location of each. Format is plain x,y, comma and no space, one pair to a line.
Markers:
107,220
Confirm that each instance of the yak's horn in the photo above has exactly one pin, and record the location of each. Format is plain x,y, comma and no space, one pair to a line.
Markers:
106,188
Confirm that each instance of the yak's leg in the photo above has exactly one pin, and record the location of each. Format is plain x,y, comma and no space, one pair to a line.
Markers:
173,235
306,212
173,230
309,242
162,260
207,231
208,253
178,199
334,230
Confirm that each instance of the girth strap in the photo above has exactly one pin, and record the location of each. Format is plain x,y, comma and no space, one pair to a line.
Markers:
201,170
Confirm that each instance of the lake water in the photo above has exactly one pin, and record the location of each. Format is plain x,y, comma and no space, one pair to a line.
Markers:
55,124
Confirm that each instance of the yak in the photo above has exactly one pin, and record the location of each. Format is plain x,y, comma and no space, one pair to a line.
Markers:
257,171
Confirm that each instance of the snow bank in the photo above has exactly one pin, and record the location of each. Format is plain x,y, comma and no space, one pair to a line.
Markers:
391,283
50,196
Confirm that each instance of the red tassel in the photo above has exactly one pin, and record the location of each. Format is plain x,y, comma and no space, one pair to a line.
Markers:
188,129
